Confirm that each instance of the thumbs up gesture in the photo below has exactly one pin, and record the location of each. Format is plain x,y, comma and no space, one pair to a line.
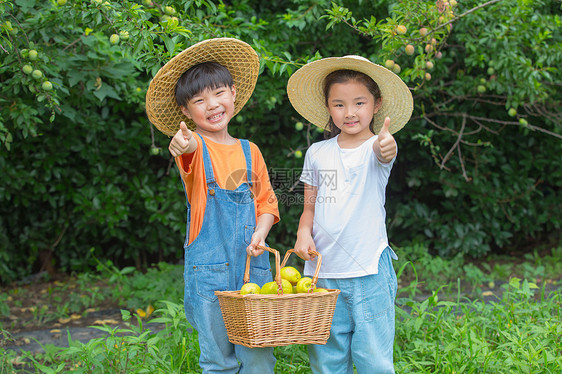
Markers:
182,142
385,145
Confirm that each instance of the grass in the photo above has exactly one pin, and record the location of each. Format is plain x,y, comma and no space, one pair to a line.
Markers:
444,324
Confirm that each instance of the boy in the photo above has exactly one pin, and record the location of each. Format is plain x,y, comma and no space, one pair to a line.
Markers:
230,203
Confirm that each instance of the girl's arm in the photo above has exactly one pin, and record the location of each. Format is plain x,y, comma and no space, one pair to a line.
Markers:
263,225
304,241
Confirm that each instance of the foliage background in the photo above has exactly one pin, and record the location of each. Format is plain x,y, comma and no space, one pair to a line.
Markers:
84,174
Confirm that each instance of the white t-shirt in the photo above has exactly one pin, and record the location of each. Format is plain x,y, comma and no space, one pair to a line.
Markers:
349,218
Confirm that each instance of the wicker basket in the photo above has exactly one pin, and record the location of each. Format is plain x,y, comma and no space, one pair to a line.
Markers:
256,320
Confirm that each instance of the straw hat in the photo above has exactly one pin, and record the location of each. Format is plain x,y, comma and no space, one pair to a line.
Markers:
306,91
237,56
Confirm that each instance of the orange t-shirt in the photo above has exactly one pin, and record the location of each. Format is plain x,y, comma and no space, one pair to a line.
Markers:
229,168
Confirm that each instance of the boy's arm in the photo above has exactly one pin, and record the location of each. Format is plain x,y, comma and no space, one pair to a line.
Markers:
304,241
182,142
385,145
263,225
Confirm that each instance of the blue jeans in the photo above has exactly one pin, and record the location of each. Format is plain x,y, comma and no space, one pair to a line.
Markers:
362,330
216,261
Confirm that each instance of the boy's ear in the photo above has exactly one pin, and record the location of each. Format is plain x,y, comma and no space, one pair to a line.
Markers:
378,105
185,111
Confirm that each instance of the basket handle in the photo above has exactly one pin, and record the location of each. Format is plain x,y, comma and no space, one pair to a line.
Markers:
318,264
277,267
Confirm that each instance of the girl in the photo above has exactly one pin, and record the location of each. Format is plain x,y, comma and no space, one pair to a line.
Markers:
360,104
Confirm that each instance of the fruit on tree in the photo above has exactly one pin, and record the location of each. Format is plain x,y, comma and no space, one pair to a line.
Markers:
155,150
433,41
47,86
27,69
481,88
250,288
427,76
512,112
396,68
61,2
291,274
124,35
523,122
169,10
299,126
37,74
389,64
401,29
304,284
114,39
33,55
147,2
428,48
423,31
429,64
438,55
298,153
409,49
491,70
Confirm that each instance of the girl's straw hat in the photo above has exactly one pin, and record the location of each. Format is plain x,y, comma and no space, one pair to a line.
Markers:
306,91
238,57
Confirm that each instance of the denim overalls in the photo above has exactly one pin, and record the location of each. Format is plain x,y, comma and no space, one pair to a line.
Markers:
215,261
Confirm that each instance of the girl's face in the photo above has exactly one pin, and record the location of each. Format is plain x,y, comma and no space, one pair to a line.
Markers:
352,107
212,109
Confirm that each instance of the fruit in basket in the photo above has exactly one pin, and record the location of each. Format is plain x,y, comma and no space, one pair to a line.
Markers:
303,285
250,288
287,286
291,274
269,288
320,290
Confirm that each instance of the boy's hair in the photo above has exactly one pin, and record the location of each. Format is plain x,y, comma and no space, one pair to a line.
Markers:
200,77
342,76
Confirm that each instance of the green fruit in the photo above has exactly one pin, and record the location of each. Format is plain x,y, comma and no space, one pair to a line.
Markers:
512,112
491,71
389,64
154,151
396,68
481,88
409,49
299,126
33,55
423,31
114,39
147,2
298,153
250,289
27,69
169,10
270,288
304,284
291,274
61,2
523,122
47,86
37,74
124,35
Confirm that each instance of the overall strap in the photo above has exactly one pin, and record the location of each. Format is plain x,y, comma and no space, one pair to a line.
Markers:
207,162
248,155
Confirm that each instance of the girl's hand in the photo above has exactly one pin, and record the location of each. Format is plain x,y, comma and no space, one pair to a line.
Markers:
182,142
385,145
303,245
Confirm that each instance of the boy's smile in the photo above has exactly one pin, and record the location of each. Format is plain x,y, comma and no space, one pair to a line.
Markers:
211,110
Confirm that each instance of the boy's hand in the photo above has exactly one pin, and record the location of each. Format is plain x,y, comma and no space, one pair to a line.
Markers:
385,145
182,142
252,249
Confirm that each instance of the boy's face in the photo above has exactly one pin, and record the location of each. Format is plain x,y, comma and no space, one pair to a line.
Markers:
211,109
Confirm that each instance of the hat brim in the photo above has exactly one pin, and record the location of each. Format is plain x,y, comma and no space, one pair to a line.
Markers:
306,91
238,57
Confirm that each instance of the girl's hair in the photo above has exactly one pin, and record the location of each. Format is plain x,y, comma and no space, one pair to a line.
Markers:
200,77
342,76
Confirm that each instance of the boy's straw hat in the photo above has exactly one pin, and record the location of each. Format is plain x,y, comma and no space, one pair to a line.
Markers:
306,91
237,56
